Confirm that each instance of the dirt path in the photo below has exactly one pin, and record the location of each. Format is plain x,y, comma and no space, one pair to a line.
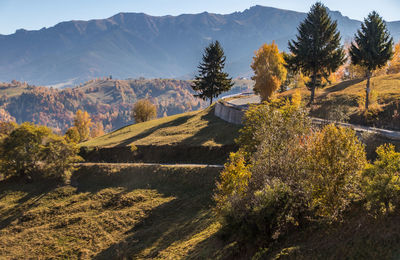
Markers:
155,164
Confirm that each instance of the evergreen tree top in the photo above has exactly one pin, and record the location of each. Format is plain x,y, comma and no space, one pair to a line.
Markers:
373,45
212,80
317,48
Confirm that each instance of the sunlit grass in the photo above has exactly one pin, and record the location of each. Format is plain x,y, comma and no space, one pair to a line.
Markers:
193,128
112,212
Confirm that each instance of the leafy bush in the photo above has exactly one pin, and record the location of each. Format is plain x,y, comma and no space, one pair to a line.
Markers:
234,178
381,182
59,157
260,192
6,128
143,111
72,135
336,161
276,121
34,151
286,173
264,214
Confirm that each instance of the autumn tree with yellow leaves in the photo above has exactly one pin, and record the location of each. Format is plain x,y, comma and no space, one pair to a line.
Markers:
394,66
97,130
83,122
269,70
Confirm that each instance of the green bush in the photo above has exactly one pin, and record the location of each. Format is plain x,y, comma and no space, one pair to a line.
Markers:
261,193
381,181
32,151
72,135
277,121
143,110
264,215
286,173
275,208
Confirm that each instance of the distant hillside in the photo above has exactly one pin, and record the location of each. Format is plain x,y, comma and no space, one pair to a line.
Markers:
135,44
107,100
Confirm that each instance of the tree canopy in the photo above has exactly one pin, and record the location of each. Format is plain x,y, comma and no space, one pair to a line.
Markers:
83,122
31,151
269,70
143,111
317,51
372,47
211,80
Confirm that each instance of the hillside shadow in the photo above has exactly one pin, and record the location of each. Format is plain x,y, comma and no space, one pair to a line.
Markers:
175,182
34,192
218,130
339,87
177,220
187,214
146,133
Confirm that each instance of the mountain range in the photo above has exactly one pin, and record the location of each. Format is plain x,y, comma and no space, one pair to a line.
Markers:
132,45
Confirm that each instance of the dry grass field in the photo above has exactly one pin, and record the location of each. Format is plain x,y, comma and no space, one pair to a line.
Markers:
113,212
199,128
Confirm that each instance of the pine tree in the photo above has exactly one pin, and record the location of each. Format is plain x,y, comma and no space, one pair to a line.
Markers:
212,81
372,47
317,51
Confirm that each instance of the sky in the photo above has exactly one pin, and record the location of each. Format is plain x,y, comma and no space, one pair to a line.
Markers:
36,14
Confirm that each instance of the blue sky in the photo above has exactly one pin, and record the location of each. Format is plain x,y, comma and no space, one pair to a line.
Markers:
35,14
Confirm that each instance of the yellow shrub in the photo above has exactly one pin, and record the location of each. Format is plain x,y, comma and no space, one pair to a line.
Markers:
336,160
382,180
234,178
296,99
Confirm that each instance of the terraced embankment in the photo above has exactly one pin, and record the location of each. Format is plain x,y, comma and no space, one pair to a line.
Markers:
195,137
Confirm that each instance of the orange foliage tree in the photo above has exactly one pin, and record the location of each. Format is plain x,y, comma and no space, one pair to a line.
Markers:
394,65
83,122
269,70
97,130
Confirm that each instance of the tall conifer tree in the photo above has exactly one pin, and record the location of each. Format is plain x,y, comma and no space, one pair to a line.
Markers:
372,47
317,51
212,81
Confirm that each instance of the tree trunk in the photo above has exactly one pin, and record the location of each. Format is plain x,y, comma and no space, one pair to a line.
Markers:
314,78
387,208
367,91
211,99
312,95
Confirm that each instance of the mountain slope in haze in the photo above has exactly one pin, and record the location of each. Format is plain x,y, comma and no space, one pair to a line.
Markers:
138,45
108,101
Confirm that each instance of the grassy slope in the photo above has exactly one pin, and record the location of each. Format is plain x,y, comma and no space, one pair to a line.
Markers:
387,87
112,212
160,213
360,236
348,94
193,128
10,90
